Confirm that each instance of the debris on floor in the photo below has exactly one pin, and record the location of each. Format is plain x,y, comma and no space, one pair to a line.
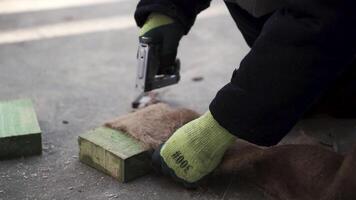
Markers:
197,78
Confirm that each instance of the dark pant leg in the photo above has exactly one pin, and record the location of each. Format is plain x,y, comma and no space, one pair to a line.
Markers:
298,56
340,100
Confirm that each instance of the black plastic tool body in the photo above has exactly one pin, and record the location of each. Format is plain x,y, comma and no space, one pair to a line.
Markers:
153,79
150,73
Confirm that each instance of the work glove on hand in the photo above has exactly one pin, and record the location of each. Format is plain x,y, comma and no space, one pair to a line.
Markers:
168,33
193,151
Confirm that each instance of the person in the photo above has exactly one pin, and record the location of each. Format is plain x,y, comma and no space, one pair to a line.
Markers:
300,60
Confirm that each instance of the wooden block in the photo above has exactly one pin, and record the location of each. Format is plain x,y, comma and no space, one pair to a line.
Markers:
114,153
20,134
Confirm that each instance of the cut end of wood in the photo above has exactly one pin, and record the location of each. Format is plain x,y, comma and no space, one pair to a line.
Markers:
20,133
114,153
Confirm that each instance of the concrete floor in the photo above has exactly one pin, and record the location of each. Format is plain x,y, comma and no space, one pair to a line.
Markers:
88,78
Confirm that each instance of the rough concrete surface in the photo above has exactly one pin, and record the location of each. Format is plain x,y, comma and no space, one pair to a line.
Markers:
78,82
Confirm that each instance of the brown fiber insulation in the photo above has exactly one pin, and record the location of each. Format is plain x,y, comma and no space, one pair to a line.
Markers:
299,171
153,124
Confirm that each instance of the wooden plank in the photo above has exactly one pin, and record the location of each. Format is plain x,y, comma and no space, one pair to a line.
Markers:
20,134
114,153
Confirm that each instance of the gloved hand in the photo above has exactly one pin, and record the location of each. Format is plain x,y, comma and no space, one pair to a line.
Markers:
168,33
193,151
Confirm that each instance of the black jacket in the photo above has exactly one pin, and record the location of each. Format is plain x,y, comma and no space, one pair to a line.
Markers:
184,11
296,58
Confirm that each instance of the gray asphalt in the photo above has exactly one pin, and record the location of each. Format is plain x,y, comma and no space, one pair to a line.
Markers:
88,79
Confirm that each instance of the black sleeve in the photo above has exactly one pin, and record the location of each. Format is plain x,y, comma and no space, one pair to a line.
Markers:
299,54
184,11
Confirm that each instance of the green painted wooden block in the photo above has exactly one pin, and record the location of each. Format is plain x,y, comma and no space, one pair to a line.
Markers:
20,134
114,153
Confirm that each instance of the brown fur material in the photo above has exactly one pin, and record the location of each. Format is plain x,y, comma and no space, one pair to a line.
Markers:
154,124
300,171
294,171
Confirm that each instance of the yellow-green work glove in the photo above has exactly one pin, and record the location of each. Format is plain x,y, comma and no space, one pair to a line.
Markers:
167,33
194,150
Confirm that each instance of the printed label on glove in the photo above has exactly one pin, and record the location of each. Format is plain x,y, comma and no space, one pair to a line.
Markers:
181,162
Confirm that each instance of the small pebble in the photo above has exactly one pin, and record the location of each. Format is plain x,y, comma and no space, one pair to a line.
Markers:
111,195
65,122
197,78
